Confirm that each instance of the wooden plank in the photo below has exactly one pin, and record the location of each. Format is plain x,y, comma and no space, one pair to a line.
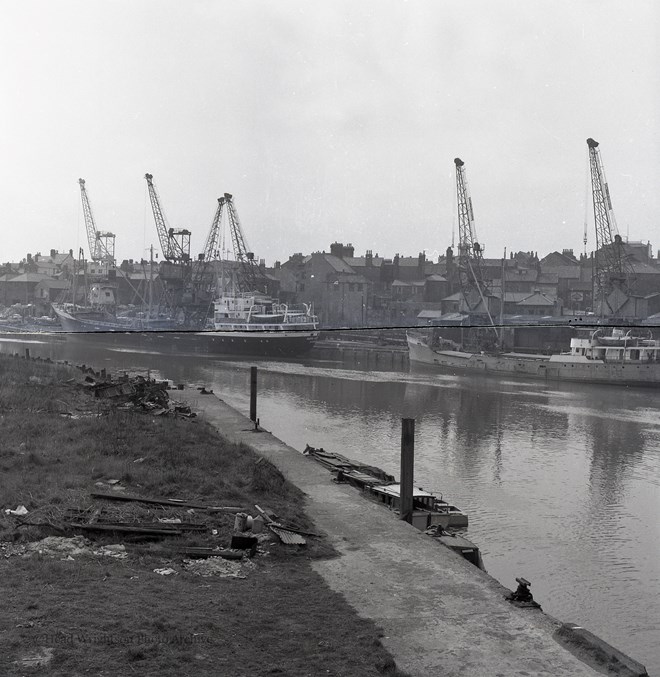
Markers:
180,502
293,530
124,529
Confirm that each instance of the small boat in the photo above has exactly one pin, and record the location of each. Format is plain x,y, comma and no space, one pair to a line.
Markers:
428,510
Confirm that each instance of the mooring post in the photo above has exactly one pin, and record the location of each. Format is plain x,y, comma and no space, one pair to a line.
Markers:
253,395
407,468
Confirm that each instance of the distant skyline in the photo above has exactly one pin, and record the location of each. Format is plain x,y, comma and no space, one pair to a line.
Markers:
327,121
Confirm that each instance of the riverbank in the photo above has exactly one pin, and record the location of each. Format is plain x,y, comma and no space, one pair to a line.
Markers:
82,599
441,615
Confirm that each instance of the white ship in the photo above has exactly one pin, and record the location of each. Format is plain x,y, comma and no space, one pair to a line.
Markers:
253,324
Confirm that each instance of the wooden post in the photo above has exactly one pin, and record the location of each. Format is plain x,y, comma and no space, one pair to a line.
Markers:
27,353
407,468
253,394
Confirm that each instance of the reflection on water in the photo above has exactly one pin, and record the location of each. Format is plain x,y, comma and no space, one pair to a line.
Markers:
562,483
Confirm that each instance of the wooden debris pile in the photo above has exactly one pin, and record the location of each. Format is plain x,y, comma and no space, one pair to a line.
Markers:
137,393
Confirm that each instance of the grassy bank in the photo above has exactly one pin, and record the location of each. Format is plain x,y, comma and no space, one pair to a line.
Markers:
106,615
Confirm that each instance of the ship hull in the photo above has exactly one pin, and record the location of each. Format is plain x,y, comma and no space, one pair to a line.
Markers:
256,343
212,342
550,368
88,322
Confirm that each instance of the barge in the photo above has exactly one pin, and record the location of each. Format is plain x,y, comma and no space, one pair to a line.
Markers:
429,511
617,358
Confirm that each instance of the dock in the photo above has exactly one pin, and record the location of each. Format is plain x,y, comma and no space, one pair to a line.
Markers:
440,615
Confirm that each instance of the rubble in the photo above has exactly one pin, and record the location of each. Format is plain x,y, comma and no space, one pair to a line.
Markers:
40,658
20,510
217,566
62,548
167,571
138,393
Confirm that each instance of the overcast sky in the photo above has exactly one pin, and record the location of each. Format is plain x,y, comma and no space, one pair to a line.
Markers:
326,120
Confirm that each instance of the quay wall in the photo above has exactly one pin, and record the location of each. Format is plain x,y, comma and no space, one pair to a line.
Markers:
440,614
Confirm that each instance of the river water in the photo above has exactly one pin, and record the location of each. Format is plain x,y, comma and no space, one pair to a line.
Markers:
561,481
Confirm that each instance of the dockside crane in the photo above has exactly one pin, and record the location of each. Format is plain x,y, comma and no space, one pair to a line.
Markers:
613,275
101,243
210,251
470,253
251,277
175,244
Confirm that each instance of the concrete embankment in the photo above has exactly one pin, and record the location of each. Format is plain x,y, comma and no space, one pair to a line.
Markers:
440,614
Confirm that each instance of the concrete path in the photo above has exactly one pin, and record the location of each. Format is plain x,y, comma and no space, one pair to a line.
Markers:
440,615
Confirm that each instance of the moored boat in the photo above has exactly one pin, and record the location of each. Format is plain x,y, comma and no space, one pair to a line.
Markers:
84,319
428,510
254,324
618,358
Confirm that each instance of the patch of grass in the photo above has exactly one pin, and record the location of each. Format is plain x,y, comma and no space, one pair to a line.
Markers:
283,617
108,617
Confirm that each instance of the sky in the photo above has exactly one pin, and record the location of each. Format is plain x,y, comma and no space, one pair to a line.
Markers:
327,121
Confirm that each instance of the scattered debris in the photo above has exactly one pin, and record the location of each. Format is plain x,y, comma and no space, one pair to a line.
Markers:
198,552
117,550
59,546
112,487
165,572
138,393
65,549
240,522
240,542
20,510
40,658
216,566
287,537
287,534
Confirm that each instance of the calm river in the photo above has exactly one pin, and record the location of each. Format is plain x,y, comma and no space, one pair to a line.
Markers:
561,481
